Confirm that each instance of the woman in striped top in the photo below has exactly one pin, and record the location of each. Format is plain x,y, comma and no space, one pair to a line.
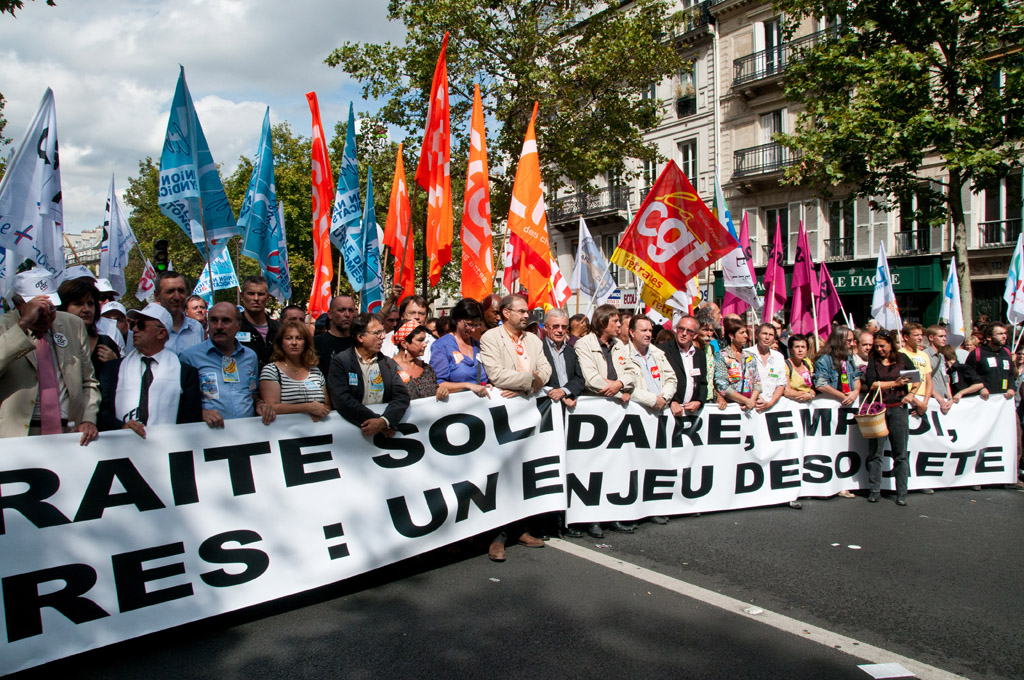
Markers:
292,382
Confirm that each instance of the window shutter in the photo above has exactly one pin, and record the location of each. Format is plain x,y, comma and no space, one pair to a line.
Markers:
862,232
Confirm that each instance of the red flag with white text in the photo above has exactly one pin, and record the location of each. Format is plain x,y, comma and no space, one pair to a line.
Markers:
323,202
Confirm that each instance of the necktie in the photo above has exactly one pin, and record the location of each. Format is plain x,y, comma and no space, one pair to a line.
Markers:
49,388
147,380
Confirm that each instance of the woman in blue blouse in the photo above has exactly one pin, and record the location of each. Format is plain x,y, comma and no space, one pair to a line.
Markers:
454,356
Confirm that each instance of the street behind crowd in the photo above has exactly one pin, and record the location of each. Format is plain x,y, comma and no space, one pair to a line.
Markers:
938,582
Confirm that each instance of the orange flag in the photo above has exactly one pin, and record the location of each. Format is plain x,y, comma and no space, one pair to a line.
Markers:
477,257
528,220
433,173
398,232
323,201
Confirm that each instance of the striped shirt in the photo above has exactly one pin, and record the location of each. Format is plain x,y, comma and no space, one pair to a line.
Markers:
296,391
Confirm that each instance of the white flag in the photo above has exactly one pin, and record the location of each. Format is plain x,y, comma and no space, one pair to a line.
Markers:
1014,293
118,241
737,271
590,272
952,312
883,304
146,291
31,208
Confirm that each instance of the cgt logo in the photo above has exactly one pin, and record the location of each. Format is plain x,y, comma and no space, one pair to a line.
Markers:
671,237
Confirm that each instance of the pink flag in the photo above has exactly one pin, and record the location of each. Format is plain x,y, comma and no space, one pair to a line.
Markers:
828,301
805,287
733,304
774,278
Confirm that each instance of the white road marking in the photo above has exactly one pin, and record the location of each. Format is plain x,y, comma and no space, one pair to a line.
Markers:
847,645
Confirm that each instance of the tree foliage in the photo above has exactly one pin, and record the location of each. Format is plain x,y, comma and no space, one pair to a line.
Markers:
4,141
10,6
585,64
901,85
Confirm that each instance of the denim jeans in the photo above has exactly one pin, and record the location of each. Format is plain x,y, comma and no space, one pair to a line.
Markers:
898,421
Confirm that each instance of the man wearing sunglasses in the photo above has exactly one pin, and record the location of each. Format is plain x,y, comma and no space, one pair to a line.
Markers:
691,367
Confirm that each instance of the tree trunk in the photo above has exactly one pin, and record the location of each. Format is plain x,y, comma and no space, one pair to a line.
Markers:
954,199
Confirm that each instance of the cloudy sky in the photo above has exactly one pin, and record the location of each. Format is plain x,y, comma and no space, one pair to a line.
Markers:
113,66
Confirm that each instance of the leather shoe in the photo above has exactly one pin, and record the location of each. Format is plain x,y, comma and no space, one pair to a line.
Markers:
572,532
901,499
658,519
496,552
621,527
796,505
595,531
927,492
530,541
873,497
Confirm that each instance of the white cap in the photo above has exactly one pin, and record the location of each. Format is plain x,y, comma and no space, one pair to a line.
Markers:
76,272
154,311
34,282
103,286
113,306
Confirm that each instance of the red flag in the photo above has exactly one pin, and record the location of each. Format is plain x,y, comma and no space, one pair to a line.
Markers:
398,232
673,237
433,173
560,291
774,278
827,300
512,258
477,257
527,219
323,201
805,287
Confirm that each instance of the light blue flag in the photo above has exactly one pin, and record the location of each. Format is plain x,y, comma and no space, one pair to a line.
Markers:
186,168
373,294
346,230
223,273
262,232
590,273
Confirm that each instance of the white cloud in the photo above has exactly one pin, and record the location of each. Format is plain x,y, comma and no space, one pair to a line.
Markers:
113,66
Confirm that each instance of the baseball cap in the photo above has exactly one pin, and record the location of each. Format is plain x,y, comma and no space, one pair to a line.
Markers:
76,272
34,282
153,311
103,286
113,306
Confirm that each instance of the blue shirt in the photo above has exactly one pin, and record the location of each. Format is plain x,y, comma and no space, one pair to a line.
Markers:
451,365
228,383
189,335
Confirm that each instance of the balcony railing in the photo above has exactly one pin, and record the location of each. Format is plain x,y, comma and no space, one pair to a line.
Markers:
913,241
588,203
686,106
999,233
758,160
695,17
839,248
767,63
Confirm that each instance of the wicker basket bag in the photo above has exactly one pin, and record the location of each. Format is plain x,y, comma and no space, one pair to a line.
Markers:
871,417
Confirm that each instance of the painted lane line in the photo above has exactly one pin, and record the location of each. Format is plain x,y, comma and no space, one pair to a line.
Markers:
847,645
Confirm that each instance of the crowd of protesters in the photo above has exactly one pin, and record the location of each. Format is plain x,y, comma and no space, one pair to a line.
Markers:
73,359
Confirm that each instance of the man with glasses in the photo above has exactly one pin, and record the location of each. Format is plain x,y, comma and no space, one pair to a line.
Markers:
362,375
516,365
566,383
690,365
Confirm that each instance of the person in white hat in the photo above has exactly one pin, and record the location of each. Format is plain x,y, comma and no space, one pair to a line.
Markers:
47,384
150,386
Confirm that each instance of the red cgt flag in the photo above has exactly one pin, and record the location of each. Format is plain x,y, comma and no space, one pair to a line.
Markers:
477,256
323,202
398,232
673,237
433,173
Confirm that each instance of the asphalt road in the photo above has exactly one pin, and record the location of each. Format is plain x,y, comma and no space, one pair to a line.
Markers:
938,581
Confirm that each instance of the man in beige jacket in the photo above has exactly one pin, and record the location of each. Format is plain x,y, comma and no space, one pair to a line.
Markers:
652,374
604,374
36,332
516,365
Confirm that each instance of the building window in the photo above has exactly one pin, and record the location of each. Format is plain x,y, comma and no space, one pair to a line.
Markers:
780,217
840,229
649,92
650,174
1002,211
608,245
688,159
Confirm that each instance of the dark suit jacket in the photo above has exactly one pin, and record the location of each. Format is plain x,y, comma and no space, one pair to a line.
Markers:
700,362
575,384
190,404
347,399
263,348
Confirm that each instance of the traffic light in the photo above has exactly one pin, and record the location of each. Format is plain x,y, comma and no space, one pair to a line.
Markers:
160,259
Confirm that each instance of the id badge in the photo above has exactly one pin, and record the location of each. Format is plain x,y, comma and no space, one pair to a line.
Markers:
458,357
229,369
243,336
353,379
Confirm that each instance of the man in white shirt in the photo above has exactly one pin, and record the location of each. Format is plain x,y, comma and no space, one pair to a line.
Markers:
771,367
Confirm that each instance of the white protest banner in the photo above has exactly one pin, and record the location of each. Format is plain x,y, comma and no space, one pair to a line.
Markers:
626,463
120,538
